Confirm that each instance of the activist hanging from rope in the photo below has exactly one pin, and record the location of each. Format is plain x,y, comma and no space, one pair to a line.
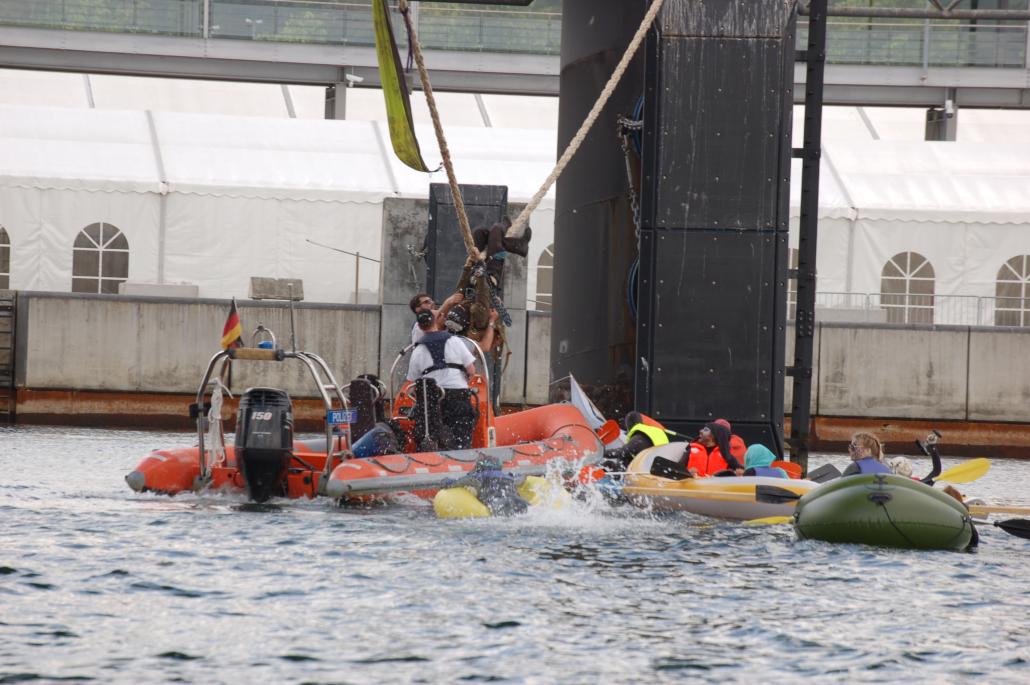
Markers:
477,304
476,309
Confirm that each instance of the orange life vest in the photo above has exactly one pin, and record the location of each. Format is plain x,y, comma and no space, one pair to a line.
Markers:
704,462
737,447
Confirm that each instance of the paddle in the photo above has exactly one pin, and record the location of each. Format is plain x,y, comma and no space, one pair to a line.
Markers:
769,521
967,471
1018,527
824,473
609,431
666,468
984,510
793,470
771,494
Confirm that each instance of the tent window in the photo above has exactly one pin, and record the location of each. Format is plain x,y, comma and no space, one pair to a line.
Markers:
5,259
545,279
100,259
1012,306
792,287
906,288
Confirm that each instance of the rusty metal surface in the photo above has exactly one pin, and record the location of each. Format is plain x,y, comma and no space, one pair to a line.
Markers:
830,434
961,438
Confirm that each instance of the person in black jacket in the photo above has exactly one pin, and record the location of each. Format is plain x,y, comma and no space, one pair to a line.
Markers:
492,486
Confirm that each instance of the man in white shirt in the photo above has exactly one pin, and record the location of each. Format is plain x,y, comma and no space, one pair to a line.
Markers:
442,361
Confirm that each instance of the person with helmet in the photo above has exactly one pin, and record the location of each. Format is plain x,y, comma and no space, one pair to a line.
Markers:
641,432
440,366
492,486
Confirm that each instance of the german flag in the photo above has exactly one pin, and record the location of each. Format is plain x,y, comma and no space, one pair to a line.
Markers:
232,332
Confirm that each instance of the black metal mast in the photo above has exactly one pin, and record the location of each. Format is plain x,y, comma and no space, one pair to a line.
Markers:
804,326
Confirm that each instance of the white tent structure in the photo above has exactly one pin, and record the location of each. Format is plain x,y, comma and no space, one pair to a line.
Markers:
960,210
214,199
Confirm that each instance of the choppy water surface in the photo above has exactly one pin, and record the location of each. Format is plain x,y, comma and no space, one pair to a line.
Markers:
100,584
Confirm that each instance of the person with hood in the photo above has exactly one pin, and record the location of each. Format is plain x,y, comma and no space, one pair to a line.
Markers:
495,488
866,456
710,453
737,445
758,462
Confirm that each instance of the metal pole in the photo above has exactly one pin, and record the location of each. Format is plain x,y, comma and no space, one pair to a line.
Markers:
804,324
206,20
357,274
293,322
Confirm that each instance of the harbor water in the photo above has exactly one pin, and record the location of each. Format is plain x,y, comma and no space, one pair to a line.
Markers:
100,584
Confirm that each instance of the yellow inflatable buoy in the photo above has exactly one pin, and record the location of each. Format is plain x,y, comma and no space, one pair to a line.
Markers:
458,503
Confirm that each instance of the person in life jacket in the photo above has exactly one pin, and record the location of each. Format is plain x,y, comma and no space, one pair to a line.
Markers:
440,366
492,486
738,448
866,456
711,454
641,432
758,462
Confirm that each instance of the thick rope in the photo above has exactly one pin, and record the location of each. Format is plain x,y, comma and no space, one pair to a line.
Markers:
445,153
518,227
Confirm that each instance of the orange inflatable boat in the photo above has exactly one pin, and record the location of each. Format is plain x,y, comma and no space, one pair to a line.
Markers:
266,461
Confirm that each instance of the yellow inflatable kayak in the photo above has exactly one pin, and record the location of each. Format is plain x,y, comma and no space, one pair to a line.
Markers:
727,498
460,503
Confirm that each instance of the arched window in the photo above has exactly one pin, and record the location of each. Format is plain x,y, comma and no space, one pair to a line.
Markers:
906,288
545,279
100,259
1012,307
5,259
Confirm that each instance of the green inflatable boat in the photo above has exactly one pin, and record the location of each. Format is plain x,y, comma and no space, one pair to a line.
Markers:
884,510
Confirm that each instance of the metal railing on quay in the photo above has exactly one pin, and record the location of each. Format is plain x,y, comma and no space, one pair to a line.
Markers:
915,42
870,41
922,309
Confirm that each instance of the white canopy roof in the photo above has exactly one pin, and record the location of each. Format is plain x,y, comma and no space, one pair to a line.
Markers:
269,158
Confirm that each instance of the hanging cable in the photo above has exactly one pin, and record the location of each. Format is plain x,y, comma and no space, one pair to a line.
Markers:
518,226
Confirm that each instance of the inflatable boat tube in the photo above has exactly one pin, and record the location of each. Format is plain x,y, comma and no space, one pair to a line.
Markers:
886,511
460,503
727,498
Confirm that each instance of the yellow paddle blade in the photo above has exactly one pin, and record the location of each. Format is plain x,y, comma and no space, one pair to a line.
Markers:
984,510
769,521
967,471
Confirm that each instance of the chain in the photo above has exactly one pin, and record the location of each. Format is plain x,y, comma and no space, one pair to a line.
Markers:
624,127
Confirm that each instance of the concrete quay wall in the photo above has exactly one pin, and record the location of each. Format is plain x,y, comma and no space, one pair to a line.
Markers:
130,346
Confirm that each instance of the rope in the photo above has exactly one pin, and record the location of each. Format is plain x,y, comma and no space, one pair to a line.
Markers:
518,227
445,153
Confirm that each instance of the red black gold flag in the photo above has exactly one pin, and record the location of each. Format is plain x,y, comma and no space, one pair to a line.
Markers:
232,332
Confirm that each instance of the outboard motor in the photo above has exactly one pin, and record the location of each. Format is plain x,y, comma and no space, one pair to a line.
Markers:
264,441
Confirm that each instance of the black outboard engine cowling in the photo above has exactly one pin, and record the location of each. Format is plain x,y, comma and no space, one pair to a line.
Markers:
264,441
